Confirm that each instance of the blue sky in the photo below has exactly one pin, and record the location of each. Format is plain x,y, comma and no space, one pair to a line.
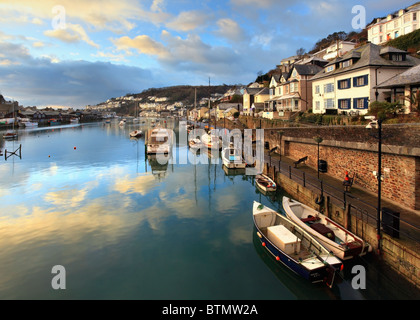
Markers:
84,52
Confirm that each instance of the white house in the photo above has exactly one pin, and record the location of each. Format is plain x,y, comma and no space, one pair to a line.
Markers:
394,25
349,84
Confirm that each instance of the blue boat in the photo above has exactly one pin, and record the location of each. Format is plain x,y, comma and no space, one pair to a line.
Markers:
295,248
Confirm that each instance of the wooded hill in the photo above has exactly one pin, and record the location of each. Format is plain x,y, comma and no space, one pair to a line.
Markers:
184,94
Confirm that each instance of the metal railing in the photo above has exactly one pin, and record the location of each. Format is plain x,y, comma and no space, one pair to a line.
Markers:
359,208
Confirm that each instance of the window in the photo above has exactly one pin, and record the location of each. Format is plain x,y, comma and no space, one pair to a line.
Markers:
396,24
344,84
380,28
361,81
397,57
347,63
397,34
415,16
317,90
407,18
330,68
381,38
360,103
294,87
296,104
407,30
317,105
329,104
329,87
344,104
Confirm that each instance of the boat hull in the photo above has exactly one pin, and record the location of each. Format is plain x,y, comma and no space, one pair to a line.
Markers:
350,250
314,276
265,184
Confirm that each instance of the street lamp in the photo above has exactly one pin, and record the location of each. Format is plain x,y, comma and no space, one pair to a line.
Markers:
378,125
281,133
318,140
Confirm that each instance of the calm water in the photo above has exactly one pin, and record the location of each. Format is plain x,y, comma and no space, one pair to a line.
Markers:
124,227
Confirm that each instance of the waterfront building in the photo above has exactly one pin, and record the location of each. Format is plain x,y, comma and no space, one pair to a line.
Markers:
394,25
405,89
349,84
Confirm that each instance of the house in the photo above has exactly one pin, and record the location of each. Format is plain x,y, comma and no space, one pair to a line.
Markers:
405,88
222,108
394,25
348,84
252,95
293,92
338,49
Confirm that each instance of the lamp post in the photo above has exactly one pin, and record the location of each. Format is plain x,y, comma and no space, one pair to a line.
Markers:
378,125
318,140
280,137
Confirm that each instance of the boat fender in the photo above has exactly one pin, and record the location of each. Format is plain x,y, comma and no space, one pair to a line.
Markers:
319,200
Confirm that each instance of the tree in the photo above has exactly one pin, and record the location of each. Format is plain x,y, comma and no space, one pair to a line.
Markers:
300,52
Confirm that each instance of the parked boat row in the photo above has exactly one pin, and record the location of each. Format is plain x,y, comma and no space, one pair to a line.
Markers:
306,241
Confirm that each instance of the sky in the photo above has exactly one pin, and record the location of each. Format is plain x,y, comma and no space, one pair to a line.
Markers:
75,53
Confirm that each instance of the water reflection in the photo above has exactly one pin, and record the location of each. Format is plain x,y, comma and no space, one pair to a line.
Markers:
128,227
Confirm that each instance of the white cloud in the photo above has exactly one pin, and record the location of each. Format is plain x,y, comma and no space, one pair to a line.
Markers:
230,29
70,34
189,20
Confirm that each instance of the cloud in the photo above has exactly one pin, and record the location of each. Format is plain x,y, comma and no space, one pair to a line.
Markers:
143,44
188,21
71,33
44,81
230,29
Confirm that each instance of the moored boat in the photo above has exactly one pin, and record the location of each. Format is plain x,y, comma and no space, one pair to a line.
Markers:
232,158
136,133
196,144
292,246
330,234
211,141
265,183
10,135
159,141
74,120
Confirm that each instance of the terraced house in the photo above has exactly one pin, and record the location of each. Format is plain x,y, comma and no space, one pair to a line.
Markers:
350,83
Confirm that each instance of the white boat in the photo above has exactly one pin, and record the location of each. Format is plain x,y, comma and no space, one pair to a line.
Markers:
27,123
196,144
74,120
136,133
159,141
122,123
334,237
212,141
10,135
265,183
292,246
232,158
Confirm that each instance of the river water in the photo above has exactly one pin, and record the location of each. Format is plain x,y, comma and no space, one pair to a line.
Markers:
86,197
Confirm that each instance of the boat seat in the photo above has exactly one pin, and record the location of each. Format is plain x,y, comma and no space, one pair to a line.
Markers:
310,219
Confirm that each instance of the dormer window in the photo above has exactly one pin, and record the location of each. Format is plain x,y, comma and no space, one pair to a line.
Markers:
330,68
346,64
398,57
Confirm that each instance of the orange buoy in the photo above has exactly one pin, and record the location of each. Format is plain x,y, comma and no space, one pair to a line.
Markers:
278,258
263,244
74,148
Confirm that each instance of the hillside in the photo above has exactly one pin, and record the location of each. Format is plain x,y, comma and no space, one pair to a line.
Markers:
409,42
184,94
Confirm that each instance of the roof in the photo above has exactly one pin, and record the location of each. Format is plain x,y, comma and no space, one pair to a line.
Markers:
367,55
308,69
409,77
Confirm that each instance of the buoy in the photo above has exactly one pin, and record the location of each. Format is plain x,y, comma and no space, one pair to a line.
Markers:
49,156
342,267
263,244
74,148
278,258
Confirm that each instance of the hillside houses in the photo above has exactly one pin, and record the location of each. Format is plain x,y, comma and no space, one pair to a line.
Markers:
340,79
